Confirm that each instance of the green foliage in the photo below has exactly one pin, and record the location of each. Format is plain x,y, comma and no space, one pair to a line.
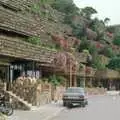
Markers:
114,63
88,12
56,80
117,40
106,20
40,7
99,27
83,45
35,8
68,19
108,52
78,30
110,29
88,46
96,63
93,50
65,6
34,40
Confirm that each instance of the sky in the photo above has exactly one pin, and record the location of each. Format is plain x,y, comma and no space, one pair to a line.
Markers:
105,8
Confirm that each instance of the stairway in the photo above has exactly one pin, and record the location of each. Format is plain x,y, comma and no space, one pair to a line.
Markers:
25,103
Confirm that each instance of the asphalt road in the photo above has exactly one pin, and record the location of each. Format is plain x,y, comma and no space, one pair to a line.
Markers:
99,108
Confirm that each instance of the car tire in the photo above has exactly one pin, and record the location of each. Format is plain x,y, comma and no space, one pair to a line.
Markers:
86,102
64,104
69,105
83,104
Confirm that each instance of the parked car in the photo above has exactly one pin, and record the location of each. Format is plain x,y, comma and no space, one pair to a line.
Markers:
75,95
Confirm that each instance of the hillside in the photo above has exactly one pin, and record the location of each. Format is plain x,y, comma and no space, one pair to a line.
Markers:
62,27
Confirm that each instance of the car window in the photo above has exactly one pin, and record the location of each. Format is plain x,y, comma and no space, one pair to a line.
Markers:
75,90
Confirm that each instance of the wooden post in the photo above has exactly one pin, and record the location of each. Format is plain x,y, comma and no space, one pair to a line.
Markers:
90,81
70,74
6,87
75,81
11,74
25,69
84,82
33,68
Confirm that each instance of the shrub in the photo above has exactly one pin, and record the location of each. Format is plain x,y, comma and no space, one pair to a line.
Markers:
84,45
116,41
108,52
114,63
56,80
78,30
96,63
34,40
65,6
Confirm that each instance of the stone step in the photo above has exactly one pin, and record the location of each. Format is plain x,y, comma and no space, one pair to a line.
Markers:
28,105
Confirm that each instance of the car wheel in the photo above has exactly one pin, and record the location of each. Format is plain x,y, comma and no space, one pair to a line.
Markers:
64,103
69,105
83,104
86,102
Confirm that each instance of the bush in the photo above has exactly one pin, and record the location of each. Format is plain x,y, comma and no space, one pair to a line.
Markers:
84,45
97,63
34,40
78,30
117,41
108,52
65,6
56,80
114,63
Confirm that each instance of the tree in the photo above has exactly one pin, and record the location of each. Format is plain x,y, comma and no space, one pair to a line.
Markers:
56,80
99,27
88,12
114,63
96,63
107,51
84,45
110,29
106,20
78,30
65,6
116,41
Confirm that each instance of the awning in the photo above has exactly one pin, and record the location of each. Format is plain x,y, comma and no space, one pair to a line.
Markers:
107,74
4,63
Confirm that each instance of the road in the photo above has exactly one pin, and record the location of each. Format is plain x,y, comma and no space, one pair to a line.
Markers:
99,108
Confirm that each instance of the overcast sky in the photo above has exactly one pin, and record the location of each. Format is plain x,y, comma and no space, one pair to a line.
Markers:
105,8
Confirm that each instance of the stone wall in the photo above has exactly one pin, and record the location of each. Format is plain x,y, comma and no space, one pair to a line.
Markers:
96,91
58,94
36,94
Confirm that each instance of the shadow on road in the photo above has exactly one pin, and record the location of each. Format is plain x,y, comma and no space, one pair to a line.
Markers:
74,106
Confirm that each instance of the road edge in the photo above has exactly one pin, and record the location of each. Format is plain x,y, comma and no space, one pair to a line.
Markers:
54,114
